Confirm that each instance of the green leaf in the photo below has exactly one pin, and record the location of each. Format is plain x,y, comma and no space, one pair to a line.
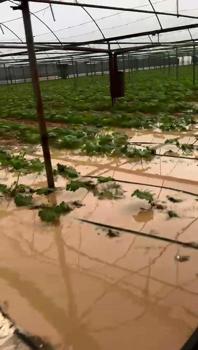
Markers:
174,200
102,179
48,215
22,200
52,214
74,185
185,147
3,189
44,191
172,214
62,208
67,171
146,195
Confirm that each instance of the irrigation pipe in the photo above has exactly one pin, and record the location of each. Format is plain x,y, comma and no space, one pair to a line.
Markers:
142,234
146,184
162,155
178,157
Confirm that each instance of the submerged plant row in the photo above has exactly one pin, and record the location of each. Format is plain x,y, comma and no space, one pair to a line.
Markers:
90,141
102,187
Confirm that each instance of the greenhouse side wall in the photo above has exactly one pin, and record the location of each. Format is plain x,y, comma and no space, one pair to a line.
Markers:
73,69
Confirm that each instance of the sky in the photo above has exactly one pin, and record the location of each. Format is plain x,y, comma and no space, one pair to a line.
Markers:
74,24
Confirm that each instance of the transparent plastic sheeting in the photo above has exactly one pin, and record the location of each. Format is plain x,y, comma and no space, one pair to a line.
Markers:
74,24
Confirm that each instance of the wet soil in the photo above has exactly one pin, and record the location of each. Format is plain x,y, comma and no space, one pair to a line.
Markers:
81,289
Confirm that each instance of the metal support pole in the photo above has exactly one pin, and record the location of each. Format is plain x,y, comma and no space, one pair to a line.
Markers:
46,72
194,63
91,71
177,64
73,69
24,78
164,59
129,67
86,69
131,64
37,92
149,66
76,68
13,73
169,64
56,70
160,62
6,74
10,74
123,63
111,72
102,68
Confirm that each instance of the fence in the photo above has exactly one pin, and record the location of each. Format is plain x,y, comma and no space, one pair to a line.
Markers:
14,74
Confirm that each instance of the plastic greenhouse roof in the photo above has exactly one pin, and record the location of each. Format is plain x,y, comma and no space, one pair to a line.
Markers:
84,23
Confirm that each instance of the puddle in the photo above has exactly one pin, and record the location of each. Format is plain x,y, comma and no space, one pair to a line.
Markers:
81,289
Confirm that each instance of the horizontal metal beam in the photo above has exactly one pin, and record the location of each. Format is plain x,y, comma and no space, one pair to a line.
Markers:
115,8
136,35
135,48
62,48
57,46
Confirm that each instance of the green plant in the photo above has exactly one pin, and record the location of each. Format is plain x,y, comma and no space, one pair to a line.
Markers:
146,195
74,185
174,200
52,214
44,191
108,190
66,171
137,153
19,163
22,200
3,189
173,141
186,147
172,214
102,179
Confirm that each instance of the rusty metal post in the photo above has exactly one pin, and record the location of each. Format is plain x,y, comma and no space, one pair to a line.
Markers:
37,92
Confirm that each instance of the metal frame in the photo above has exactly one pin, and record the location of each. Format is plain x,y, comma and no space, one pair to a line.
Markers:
58,50
192,343
83,48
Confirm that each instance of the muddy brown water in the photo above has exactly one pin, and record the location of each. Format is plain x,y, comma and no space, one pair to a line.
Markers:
81,290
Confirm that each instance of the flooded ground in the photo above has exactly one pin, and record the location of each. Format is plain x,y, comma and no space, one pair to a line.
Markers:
82,289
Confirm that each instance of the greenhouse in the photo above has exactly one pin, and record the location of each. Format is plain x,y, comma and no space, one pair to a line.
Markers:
99,174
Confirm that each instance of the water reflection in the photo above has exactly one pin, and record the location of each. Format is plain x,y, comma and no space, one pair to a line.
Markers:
144,216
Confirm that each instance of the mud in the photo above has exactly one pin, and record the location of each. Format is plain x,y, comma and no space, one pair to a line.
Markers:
81,289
